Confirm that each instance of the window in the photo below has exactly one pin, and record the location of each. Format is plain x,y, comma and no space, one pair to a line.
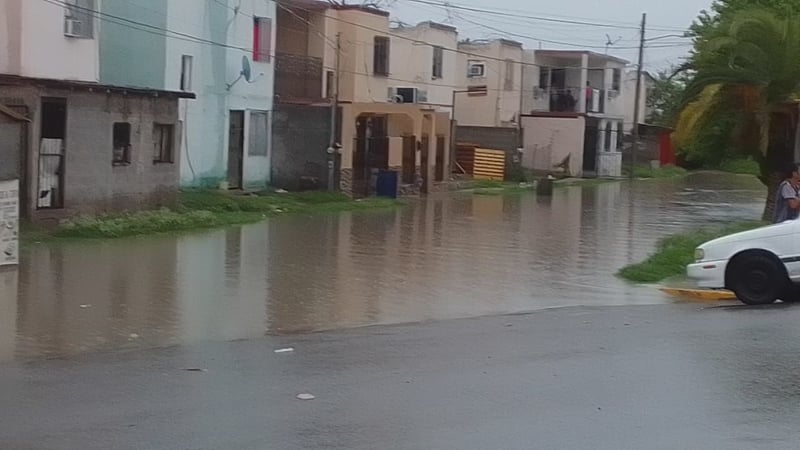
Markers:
259,134
509,78
438,62
616,79
79,18
163,140
330,80
476,69
186,73
544,77
380,62
122,144
262,39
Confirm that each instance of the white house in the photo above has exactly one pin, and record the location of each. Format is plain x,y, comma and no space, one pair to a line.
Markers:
629,94
88,147
223,52
574,106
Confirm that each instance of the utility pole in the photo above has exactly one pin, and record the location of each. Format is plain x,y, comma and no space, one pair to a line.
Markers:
638,96
332,147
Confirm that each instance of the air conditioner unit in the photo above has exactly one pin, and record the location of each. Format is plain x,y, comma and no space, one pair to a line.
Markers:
73,28
476,69
407,95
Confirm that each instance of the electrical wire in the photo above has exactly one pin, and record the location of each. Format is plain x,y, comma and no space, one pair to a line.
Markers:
519,14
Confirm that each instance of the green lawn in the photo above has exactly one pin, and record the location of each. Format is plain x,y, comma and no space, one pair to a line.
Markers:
207,209
675,252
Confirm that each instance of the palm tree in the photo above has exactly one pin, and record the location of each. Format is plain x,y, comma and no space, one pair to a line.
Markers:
749,68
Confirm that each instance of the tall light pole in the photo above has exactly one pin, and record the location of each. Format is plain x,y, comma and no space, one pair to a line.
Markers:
638,96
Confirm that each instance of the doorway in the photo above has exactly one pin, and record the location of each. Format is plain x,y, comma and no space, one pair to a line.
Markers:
590,148
424,156
236,150
371,152
50,190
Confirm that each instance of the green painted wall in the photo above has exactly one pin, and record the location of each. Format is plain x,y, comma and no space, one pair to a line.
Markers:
133,54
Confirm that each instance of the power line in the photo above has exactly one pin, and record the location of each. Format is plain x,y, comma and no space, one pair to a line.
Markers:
420,42
152,29
524,36
519,14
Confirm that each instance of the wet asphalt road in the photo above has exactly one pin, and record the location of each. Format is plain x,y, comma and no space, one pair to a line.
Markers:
679,376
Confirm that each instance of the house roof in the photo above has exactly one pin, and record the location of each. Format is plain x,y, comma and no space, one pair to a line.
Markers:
485,42
14,80
13,114
317,5
438,26
573,53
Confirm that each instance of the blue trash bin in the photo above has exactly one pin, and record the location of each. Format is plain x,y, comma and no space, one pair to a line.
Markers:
386,185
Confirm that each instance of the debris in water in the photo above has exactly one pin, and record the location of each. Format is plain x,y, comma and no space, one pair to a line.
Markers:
305,397
133,336
284,350
86,306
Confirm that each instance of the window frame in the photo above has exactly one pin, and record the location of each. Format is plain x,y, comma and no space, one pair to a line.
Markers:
159,155
476,63
262,38
80,11
437,69
187,69
380,56
125,149
616,79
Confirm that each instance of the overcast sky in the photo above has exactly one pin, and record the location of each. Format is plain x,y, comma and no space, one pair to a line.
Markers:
664,17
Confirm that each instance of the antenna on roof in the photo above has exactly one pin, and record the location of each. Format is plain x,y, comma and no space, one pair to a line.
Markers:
610,42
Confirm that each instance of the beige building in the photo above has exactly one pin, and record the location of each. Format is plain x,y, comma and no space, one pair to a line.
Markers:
494,66
381,128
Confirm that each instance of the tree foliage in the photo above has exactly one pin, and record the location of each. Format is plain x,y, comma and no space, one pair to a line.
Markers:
746,76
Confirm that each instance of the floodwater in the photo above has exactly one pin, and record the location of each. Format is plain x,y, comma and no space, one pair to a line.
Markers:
445,257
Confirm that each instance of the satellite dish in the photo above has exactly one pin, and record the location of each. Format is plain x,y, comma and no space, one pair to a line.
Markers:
247,72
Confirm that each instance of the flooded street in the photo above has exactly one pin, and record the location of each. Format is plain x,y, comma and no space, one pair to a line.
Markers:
454,256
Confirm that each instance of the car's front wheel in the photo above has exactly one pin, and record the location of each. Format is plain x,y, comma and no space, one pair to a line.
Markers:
758,279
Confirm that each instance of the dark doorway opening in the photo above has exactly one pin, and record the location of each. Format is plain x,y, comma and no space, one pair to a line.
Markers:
236,150
590,148
51,153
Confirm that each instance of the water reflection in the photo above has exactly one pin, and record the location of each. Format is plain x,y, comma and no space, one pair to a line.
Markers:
446,257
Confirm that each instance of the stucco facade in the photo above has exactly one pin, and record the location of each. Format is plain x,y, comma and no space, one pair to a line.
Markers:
209,66
414,64
502,76
547,141
34,43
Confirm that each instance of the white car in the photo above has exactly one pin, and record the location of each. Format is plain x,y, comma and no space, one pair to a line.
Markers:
760,266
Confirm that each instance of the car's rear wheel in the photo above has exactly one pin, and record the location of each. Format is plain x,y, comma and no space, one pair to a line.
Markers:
758,279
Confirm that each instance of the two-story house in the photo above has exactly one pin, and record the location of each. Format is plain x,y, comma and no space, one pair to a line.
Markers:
493,70
426,72
575,109
89,146
222,51
381,127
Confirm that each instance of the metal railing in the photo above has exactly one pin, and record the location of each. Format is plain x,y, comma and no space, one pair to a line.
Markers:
568,99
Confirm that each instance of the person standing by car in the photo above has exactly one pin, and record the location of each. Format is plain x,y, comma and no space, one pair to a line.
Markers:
787,201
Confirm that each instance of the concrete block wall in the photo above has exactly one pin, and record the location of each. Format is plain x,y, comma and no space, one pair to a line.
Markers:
92,184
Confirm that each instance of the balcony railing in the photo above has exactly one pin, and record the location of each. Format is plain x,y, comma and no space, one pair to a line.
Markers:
298,77
568,99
